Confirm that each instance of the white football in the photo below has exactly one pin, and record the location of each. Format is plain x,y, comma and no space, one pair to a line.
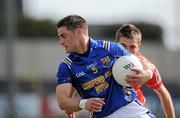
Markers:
122,67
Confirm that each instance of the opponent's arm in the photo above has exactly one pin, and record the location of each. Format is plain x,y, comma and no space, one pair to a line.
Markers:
141,76
166,101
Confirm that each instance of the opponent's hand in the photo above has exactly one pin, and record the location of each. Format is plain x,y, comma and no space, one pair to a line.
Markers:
141,77
94,104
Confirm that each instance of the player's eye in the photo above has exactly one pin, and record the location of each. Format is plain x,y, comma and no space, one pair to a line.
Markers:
62,36
132,47
123,45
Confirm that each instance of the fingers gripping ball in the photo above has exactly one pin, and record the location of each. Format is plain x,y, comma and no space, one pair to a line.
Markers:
123,66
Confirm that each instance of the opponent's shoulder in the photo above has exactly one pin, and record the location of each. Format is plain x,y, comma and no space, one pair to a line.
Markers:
145,60
141,56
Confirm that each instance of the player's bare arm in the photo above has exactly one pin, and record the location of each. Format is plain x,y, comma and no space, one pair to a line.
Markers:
71,104
64,98
71,114
166,101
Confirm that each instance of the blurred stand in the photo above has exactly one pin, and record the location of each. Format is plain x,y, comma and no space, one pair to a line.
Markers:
10,38
32,55
177,20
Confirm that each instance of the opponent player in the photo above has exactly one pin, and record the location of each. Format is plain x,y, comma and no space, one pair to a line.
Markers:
130,37
88,69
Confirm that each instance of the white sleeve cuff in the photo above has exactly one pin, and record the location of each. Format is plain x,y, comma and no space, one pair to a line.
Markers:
82,103
149,73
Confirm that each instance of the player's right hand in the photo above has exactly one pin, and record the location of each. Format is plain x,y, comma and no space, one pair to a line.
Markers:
94,104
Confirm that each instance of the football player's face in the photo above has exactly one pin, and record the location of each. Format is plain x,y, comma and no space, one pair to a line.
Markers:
67,39
132,45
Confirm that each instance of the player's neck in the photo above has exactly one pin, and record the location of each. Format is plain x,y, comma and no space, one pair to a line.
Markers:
83,47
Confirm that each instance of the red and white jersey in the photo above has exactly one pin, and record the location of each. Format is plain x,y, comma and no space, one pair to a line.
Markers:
154,83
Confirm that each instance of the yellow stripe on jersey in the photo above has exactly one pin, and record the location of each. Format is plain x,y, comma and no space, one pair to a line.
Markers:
106,45
68,62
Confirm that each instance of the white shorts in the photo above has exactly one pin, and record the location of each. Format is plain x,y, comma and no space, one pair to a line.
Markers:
131,110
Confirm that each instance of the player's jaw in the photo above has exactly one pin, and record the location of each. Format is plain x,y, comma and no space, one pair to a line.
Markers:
66,49
69,48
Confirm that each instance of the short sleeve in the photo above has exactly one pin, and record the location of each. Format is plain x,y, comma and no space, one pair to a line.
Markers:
118,50
155,81
63,74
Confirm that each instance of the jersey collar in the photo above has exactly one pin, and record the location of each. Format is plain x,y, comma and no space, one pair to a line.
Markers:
92,44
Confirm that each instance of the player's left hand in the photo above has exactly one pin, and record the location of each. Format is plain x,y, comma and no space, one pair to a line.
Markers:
141,77
94,104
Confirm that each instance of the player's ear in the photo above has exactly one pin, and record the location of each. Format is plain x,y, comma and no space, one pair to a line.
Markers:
139,44
78,31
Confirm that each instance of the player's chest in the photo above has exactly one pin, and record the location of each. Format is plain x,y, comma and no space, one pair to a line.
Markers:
92,67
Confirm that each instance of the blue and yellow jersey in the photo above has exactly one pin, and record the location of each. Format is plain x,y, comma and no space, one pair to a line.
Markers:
91,75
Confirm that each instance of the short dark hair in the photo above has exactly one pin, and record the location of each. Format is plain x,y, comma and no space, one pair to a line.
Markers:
129,31
72,22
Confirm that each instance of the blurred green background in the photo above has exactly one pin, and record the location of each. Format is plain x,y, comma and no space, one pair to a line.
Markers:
30,53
